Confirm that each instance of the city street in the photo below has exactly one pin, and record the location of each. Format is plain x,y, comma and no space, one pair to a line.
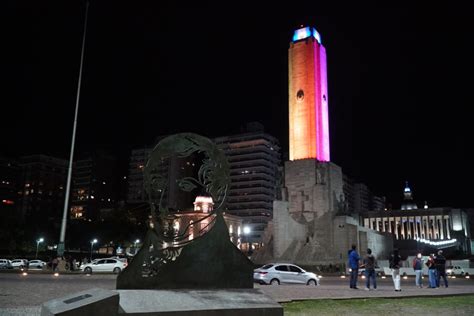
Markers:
30,291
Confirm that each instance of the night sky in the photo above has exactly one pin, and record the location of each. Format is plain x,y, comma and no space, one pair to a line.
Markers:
400,82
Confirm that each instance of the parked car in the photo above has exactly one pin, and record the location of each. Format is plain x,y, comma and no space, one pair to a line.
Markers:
19,263
457,270
378,271
278,273
104,265
37,264
5,264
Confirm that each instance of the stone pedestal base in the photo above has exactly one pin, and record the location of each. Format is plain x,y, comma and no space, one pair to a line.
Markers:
91,302
248,302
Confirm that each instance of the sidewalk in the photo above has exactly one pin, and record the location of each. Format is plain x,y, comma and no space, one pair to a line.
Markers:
285,293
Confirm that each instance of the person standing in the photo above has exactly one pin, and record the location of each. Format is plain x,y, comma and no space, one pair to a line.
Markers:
431,271
354,265
54,264
395,266
418,267
369,264
440,263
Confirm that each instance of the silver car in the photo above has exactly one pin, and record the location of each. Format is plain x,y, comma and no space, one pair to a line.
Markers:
278,273
19,263
36,264
104,265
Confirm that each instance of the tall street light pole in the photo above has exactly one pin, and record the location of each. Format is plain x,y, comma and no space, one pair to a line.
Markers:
135,245
92,244
62,236
37,246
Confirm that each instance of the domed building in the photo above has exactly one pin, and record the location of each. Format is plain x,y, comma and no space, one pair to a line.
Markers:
408,203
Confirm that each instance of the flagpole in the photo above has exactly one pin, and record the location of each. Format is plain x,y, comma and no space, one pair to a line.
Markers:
62,236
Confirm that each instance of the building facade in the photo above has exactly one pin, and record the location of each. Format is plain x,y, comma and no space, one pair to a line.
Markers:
419,229
428,227
135,189
358,198
94,186
196,222
10,186
43,189
10,190
254,159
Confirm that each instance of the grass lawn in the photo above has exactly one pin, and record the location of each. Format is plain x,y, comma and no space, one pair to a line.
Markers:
446,306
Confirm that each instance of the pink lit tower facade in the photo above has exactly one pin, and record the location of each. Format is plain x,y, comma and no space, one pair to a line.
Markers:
311,222
308,96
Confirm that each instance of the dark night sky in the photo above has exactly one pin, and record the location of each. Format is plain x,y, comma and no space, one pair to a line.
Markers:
400,85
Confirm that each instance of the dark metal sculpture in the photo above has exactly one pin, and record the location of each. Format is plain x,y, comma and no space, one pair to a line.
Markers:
168,259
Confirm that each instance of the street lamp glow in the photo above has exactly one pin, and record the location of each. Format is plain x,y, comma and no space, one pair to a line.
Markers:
92,244
37,246
246,233
135,245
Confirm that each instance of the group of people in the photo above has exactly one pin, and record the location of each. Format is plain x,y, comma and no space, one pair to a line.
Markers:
368,262
67,263
436,269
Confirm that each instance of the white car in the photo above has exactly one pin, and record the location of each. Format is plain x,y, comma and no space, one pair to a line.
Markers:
19,263
5,264
457,270
36,264
104,265
378,271
278,273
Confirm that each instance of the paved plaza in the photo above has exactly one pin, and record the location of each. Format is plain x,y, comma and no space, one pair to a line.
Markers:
23,295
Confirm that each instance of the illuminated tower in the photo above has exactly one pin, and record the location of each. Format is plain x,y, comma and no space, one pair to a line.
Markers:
308,96
408,203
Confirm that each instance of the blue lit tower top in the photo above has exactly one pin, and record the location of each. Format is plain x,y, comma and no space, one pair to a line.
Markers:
408,203
306,32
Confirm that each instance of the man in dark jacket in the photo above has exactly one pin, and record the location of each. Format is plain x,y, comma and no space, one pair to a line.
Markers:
431,271
395,266
354,265
440,264
369,264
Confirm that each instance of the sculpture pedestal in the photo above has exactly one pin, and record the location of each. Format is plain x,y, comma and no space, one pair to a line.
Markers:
229,302
91,302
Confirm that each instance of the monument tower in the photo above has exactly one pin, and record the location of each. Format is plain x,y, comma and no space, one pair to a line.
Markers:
308,96
312,223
